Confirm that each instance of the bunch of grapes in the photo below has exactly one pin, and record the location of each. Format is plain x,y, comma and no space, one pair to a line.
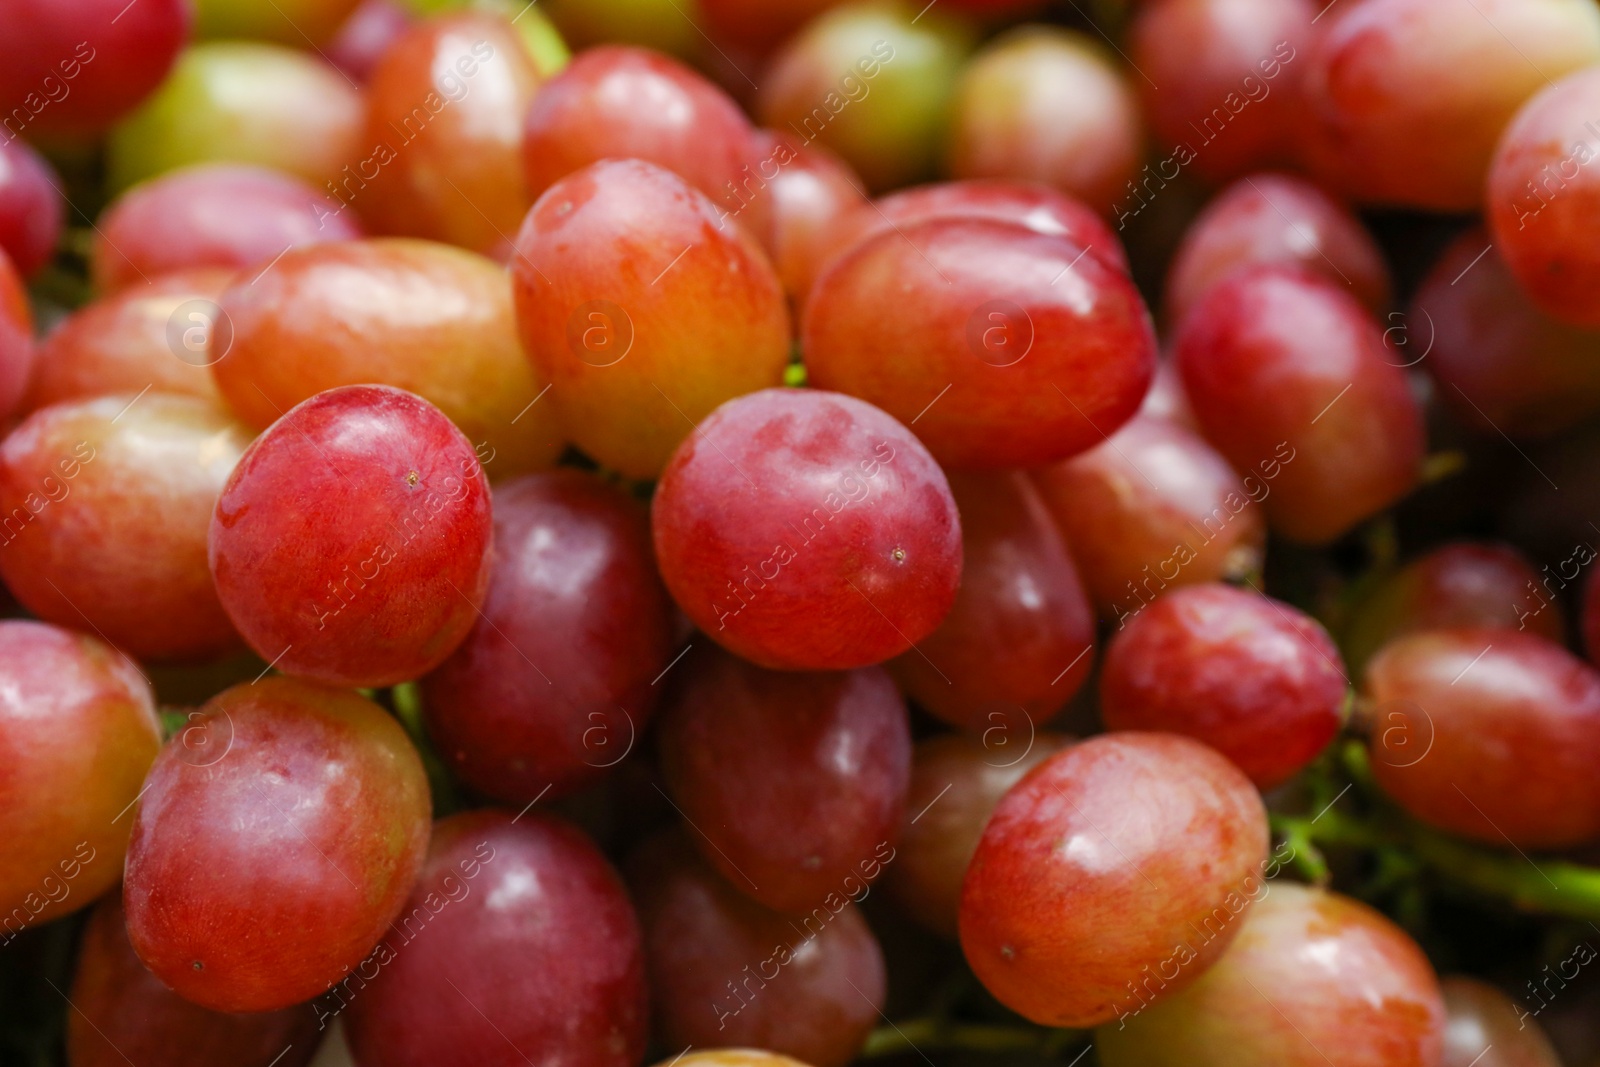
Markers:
722,533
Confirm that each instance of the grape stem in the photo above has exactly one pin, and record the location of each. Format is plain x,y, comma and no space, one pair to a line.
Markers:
933,1034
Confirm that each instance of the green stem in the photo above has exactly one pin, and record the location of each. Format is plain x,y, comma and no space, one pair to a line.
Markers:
1550,887
937,1035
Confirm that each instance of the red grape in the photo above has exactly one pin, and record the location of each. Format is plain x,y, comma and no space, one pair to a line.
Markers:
1484,1028
1151,836
350,545
644,309
1042,347
277,838
1020,636
956,781
812,191
78,730
1256,679
428,318
1047,105
760,26
30,206
808,531
1276,219
532,954
793,782
16,338
713,954
1313,974
557,679
210,215
364,37
107,503
121,1014
1153,507
1459,716
1279,365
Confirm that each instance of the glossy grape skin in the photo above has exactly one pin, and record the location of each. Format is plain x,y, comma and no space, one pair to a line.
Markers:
300,23
16,338
1020,636
1484,1027
1043,347
532,954
824,969
1256,679
775,479
1542,197
813,193
70,69
556,682
956,781
1047,105
457,177
425,317
123,1014
244,102
1183,862
1276,219
78,730
119,344
30,206
1312,974
210,215
616,102
1461,715
412,505
364,37
873,82
1274,358
1406,98
793,781
277,838
644,310
1464,583
118,493
1154,507
1222,78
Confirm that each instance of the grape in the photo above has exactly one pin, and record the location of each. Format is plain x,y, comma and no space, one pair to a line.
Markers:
78,730
1286,372
1460,715
1041,346
813,192
122,343
350,545
210,215
807,530
1313,974
956,781
455,176
1165,401
1541,197
1276,219
733,1057
615,102
106,505
1483,1027
1459,584
245,102
557,679
122,1014
292,22
1155,507
16,338
1020,637
531,954
1047,105
364,37
1153,836
1502,365
873,82
70,68
384,311
30,206
644,309
726,970
1406,98
1256,679
278,835
670,26
759,27
794,783
1220,81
